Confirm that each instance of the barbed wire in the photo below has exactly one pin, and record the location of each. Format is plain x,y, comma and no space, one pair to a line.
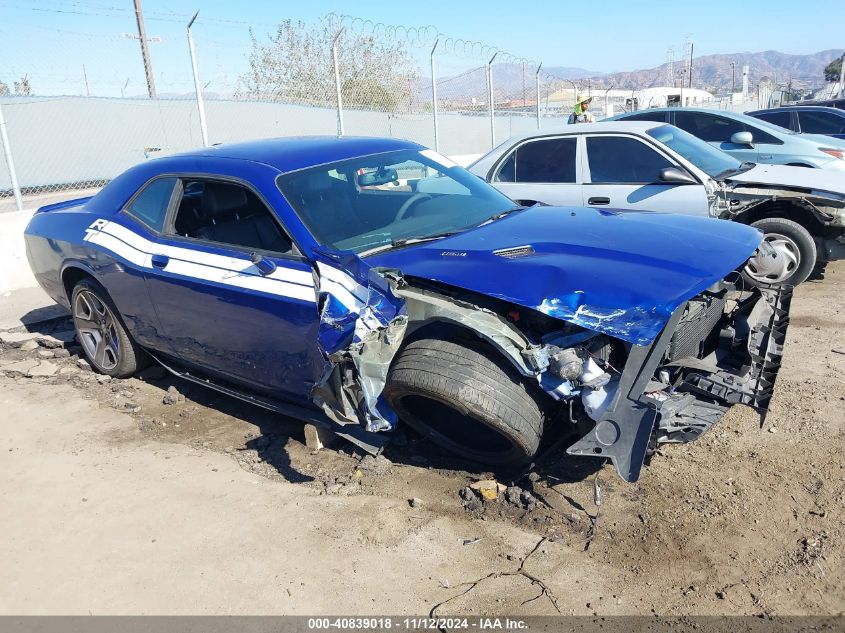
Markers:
426,37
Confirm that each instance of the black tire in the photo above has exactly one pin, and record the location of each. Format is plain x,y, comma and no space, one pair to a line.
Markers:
103,337
797,246
471,402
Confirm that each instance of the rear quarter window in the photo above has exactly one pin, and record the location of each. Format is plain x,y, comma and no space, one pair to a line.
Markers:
150,205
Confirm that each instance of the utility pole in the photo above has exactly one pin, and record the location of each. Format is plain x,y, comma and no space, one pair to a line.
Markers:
85,77
690,65
733,78
670,67
145,51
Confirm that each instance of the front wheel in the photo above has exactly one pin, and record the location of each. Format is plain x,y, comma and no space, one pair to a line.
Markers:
790,258
471,402
105,341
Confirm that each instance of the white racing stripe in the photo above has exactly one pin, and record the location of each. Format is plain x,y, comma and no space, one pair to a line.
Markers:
345,289
200,265
201,257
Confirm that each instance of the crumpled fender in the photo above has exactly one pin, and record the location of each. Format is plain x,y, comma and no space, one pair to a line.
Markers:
362,324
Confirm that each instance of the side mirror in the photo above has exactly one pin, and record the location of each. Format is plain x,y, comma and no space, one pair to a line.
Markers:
676,176
264,265
742,138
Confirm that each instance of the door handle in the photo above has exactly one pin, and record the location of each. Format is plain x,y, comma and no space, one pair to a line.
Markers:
598,201
160,261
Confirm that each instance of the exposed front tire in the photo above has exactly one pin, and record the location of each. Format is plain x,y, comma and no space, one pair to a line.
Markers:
105,341
794,254
471,402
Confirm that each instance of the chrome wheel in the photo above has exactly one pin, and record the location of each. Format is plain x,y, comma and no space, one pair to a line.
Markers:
96,328
775,261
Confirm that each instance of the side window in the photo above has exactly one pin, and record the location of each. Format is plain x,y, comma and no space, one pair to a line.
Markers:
821,123
228,213
782,119
507,172
708,127
549,161
659,117
150,206
620,159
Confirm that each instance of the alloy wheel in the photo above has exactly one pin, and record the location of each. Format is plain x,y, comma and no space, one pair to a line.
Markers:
95,325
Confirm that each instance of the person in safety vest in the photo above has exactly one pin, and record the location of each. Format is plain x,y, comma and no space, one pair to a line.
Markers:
581,113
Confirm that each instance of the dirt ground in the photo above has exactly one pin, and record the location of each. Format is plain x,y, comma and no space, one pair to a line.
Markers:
150,495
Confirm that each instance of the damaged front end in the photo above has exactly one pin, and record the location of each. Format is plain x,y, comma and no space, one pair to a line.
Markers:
823,211
721,347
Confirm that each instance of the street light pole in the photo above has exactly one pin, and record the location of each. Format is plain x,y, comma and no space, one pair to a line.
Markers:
145,51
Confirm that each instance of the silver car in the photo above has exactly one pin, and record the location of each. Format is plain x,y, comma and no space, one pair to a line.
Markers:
649,166
747,138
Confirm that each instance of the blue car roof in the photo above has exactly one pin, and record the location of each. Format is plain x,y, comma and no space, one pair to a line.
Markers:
280,154
299,152
800,108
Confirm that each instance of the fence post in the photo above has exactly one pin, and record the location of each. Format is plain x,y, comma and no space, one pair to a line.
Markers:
7,151
537,81
197,86
434,96
490,100
337,84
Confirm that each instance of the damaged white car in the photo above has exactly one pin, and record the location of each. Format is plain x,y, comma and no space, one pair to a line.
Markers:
648,166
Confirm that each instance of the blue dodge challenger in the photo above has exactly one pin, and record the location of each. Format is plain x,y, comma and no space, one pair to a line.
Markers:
359,282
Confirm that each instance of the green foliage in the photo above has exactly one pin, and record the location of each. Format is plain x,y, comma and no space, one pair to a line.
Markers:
295,65
832,70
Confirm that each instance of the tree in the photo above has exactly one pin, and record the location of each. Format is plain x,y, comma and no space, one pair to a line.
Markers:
294,65
4,89
23,88
832,70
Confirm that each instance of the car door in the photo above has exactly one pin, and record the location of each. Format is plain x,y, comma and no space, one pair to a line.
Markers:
234,298
541,170
623,172
127,235
717,130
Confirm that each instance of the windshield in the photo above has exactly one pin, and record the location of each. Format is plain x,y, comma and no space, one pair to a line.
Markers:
371,202
707,158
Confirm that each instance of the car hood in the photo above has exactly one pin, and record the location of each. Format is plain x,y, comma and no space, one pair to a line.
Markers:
621,273
792,177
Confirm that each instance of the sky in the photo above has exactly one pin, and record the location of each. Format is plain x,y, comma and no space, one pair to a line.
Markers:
51,40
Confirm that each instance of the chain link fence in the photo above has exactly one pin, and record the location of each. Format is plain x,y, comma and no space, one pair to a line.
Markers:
78,107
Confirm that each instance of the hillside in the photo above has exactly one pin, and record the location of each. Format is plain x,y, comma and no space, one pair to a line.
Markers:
709,72
714,71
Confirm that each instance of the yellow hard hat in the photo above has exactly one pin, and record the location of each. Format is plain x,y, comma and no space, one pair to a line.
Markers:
583,99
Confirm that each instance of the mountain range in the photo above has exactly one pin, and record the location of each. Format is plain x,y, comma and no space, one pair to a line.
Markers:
709,72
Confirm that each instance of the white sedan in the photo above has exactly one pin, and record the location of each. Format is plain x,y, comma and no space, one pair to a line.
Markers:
628,165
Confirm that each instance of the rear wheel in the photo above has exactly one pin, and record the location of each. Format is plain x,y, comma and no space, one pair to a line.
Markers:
792,256
471,402
105,341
